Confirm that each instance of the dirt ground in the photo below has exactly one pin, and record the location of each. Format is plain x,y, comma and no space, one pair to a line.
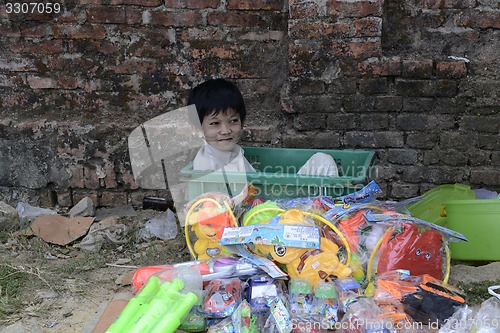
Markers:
62,288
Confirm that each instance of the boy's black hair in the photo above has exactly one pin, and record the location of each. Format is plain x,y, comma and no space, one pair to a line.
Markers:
216,95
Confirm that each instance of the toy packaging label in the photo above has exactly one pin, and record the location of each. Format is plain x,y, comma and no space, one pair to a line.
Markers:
381,218
281,317
307,237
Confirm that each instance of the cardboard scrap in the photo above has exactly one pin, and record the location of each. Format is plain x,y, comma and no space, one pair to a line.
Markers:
60,230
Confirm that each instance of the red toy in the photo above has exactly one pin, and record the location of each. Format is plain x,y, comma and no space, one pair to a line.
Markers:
414,248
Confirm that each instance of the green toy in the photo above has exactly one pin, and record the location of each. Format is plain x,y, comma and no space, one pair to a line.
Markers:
157,308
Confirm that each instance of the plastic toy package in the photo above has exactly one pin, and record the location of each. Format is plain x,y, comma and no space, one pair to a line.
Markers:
326,304
364,316
222,297
423,297
484,320
335,252
206,218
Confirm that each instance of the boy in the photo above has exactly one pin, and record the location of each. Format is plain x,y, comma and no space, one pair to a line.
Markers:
221,111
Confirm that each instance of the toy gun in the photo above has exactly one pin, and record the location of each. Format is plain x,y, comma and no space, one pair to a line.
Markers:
157,308
221,268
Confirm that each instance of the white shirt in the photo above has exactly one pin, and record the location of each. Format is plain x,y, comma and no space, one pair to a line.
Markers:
210,158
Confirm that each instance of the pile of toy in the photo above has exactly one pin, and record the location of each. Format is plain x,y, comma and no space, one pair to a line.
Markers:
347,264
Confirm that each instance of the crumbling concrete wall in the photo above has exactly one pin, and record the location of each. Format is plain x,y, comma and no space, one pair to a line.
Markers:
316,74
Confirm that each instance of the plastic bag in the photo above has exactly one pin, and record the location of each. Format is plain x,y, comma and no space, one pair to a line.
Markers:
162,226
320,164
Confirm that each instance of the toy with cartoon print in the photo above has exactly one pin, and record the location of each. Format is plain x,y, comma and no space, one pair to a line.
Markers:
206,219
312,264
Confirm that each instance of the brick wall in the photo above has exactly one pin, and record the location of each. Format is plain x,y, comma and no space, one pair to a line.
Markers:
323,74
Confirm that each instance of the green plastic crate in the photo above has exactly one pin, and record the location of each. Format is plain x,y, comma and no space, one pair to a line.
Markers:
276,174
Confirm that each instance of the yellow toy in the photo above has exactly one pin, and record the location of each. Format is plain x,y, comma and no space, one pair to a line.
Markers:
208,223
314,265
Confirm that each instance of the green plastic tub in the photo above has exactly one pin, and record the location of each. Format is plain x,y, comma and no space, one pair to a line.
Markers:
479,221
276,174
429,207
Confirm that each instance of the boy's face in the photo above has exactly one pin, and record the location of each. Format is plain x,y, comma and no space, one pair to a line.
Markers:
222,130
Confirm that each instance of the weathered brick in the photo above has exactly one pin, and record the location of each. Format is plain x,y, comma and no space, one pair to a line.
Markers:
373,86
372,122
368,27
388,103
44,47
220,52
457,140
76,178
358,103
495,158
316,104
33,31
418,104
481,124
480,158
374,139
113,199
128,180
134,66
318,140
434,174
380,67
308,121
354,9
343,86
318,29
356,49
255,5
64,198
301,9
87,31
453,157
482,176
451,69
481,19
488,141
480,88
114,15
263,134
192,4
449,105
308,87
235,19
67,82
37,82
426,88
442,4
419,69
341,121
424,122
10,81
145,3
431,157
90,177
403,191
402,156
176,19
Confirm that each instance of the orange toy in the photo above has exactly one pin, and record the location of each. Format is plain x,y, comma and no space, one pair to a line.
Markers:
314,265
